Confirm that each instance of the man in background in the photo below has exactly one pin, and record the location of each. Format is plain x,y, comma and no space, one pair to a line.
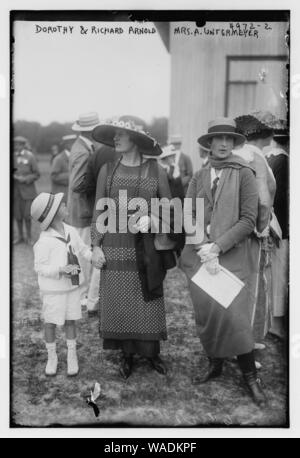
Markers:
184,161
97,159
80,205
203,153
54,151
25,174
60,167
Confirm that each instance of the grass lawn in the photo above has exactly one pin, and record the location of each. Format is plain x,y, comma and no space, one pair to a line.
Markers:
146,398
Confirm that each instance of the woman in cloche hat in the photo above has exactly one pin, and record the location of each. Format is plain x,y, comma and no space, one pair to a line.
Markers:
228,188
132,311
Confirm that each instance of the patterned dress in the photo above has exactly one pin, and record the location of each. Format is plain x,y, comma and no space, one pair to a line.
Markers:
126,321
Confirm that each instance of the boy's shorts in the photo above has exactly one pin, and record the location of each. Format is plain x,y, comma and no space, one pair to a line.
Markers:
57,308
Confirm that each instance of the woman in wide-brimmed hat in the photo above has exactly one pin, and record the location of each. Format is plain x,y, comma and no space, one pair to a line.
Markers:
258,129
132,313
227,186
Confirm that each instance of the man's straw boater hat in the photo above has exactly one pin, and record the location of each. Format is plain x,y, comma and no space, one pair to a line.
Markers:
67,140
174,138
167,151
105,132
86,122
221,126
20,139
44,208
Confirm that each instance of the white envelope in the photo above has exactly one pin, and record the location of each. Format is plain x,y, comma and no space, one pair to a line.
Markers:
223,287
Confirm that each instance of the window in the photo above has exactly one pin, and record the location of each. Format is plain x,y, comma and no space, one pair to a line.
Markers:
256,83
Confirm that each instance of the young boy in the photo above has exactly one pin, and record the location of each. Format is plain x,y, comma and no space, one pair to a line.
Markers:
59,275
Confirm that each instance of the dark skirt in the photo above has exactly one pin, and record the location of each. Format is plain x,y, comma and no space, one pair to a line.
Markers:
148,349
125,318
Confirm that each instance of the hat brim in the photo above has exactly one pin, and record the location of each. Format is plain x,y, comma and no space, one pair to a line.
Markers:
105,134
21,140
78,128
204,139
49,218
165,155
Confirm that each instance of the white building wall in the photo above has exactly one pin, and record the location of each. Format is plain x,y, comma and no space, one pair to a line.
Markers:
198,76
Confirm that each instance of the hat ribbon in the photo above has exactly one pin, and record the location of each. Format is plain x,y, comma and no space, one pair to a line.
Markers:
47,209
222,128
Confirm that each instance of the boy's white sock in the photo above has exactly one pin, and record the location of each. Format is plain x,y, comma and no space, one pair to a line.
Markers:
72,360
51,367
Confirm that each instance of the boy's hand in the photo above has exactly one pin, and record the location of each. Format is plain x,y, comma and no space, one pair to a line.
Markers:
68,270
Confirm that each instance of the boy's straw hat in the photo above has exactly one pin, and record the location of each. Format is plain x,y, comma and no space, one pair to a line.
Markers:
44,208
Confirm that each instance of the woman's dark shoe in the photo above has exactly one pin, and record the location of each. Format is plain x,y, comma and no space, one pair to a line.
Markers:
254,385
158,365
214,370
126,366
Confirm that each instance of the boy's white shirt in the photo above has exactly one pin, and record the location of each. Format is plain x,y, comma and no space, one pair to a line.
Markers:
50,254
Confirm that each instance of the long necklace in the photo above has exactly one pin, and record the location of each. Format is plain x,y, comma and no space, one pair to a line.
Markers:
137,186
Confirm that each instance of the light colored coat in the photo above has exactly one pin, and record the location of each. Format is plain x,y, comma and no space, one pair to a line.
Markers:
224,332
266,183
50,254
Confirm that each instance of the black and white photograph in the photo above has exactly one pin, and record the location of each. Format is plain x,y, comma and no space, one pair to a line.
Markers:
149,218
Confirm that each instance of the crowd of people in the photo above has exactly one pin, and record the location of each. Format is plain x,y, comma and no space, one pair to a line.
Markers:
119,275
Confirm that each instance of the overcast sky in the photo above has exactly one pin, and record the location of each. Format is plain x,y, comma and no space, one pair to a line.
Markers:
57,76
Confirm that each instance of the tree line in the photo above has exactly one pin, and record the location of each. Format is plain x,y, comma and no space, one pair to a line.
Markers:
41,138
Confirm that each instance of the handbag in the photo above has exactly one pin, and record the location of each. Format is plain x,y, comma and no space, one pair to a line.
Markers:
162,242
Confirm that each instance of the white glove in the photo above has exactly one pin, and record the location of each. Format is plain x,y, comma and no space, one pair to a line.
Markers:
210,260
212,266
204,251
143,224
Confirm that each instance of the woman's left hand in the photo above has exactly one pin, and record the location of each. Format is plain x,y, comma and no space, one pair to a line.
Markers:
143,224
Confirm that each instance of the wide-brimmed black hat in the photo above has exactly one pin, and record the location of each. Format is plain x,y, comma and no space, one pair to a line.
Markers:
256,122
105,132
221,126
